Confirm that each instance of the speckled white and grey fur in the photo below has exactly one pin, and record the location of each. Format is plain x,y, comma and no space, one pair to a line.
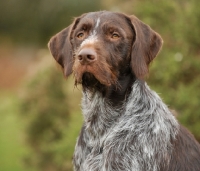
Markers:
92,38
137,136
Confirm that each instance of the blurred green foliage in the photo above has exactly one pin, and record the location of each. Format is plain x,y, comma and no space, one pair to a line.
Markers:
176,70
11,133
49,105
45,108
50,129
34,22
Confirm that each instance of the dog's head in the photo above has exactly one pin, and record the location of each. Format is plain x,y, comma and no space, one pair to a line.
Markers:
98,47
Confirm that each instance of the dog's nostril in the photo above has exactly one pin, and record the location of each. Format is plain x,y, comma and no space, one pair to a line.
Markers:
87,55
80,58
91,57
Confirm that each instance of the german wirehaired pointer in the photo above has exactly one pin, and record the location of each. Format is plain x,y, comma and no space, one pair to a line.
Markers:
127,127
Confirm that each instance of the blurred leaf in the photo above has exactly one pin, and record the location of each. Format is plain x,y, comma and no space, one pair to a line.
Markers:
45,107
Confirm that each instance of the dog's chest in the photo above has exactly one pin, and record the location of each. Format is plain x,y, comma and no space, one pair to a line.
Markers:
100,119
131,136
99,116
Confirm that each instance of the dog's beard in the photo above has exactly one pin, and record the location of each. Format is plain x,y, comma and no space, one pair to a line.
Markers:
95,75
89,81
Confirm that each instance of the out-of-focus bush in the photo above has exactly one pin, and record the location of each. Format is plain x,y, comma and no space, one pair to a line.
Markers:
45,108
176,70
35,21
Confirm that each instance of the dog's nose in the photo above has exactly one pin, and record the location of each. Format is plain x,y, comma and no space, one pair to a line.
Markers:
87,56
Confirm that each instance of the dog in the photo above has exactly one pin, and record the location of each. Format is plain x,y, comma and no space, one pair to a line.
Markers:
127,127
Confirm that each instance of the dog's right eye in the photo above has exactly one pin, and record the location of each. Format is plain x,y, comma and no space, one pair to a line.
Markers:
115,36
80,35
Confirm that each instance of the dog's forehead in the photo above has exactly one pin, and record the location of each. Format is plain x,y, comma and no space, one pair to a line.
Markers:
100,18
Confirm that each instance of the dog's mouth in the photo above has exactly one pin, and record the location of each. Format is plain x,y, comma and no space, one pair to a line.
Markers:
93,73
89,80
94,76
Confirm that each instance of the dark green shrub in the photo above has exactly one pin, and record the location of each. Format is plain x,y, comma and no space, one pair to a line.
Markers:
175,72
45,109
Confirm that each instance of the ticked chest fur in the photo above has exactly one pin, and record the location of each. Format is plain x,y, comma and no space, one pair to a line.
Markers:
128,128
138,134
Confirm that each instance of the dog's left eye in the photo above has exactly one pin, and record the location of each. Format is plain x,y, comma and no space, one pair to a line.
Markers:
115,36
80,35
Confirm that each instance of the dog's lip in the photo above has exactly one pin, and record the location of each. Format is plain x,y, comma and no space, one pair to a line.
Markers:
94,73
86,76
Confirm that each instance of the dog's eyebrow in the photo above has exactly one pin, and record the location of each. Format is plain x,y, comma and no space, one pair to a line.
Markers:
111,26
85,24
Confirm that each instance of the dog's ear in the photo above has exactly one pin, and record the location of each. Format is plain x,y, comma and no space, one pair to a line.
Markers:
61,49
145,47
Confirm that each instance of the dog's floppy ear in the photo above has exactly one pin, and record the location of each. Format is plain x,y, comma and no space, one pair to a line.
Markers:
61,49
145,47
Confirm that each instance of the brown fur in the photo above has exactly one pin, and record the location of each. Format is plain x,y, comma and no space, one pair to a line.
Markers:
111,68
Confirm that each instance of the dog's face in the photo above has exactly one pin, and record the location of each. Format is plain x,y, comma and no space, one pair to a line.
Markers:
98,47
102,44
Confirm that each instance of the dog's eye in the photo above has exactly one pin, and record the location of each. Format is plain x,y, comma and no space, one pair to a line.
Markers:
80,35
115,36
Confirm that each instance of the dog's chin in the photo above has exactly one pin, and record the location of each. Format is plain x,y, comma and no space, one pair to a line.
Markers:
88,80
91,81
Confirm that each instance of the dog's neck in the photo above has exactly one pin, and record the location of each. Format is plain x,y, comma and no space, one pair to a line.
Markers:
101,111
118,94
143,114
109,101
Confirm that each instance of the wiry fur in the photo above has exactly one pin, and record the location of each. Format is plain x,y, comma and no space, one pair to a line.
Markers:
126,126
90,40
122,139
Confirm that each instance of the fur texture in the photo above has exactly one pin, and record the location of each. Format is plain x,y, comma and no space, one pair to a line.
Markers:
122,138
127,127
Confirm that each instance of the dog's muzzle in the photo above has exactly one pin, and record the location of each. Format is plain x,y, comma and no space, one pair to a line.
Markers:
86,56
